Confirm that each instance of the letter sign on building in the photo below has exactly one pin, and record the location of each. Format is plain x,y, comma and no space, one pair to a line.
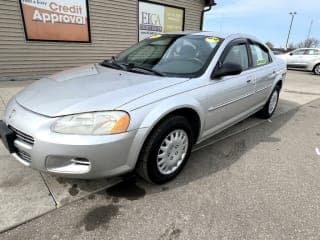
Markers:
56,20
155,18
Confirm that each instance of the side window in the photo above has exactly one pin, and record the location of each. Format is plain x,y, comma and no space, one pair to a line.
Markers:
260,56
299,52
238,55
312,52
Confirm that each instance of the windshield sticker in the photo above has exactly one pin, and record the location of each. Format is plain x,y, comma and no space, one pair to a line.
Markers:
261,62
212,39
155,36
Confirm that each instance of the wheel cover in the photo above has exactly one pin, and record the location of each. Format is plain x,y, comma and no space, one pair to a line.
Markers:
273,102
172,151
317,70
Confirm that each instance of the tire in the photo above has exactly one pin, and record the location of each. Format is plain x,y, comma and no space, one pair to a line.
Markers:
316,69
271,104
150,166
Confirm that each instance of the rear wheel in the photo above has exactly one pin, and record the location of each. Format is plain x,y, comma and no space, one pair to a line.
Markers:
316,69
271,105
166,150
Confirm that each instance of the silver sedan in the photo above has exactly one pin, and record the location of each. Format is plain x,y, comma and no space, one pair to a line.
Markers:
144,109
304,59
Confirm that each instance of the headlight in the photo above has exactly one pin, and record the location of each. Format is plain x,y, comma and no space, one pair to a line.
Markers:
95,123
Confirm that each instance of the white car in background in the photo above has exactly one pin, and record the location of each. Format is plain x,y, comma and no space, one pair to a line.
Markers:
303,58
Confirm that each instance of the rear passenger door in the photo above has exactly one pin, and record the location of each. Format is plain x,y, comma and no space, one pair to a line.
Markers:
263,70
311,55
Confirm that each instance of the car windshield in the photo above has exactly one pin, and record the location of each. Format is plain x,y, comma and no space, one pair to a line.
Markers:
170,55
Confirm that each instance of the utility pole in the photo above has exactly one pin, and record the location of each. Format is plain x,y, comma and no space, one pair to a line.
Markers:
310,28
293,14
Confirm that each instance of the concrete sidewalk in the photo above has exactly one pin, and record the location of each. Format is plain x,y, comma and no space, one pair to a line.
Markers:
26,194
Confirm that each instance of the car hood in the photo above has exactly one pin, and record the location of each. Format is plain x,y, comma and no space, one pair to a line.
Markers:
89,88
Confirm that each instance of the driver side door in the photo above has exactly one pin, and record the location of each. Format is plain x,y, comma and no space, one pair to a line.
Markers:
295,58
230,98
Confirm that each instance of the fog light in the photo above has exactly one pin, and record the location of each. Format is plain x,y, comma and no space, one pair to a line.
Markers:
67,164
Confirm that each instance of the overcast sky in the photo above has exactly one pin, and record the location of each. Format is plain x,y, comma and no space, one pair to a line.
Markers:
268,20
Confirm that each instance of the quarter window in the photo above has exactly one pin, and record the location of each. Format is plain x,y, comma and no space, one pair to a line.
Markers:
260,56
299,52
238,54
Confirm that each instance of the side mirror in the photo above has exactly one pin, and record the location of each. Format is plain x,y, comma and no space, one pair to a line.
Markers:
227,69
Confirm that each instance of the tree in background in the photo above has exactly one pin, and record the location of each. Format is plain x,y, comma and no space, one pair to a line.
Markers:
309,43
291,46
270,44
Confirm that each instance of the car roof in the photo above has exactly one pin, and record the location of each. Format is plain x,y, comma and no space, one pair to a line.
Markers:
215,34
308,49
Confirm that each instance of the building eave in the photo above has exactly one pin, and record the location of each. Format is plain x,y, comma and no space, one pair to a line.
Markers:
209,3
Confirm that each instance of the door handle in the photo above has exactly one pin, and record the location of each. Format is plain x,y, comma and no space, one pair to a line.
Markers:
249,81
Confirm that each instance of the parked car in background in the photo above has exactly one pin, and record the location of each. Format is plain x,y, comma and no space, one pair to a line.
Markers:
144,109
277,51
303,58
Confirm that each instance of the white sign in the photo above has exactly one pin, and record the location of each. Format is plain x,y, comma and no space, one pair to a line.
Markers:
157,18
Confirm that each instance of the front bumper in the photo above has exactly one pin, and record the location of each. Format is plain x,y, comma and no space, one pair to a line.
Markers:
74,156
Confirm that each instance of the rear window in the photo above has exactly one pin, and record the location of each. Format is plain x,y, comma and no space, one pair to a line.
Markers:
260,56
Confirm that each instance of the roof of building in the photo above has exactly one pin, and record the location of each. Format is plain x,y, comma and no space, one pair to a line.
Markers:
210,2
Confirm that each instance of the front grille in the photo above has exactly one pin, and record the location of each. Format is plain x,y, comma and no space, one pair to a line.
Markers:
23,136
24,155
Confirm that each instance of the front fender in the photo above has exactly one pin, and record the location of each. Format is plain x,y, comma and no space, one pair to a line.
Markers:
163,108
146,118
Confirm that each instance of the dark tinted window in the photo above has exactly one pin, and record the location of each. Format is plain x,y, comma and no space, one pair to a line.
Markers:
238,55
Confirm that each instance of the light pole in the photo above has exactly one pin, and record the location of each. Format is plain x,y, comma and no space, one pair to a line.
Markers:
293,14
310,28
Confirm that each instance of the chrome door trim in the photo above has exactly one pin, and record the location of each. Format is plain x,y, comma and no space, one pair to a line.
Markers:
230,102
264,88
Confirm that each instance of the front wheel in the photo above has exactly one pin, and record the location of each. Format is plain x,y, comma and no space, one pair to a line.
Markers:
316,69
271,105
166,150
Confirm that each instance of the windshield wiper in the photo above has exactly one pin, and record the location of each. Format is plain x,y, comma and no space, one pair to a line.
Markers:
132,67
113,62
